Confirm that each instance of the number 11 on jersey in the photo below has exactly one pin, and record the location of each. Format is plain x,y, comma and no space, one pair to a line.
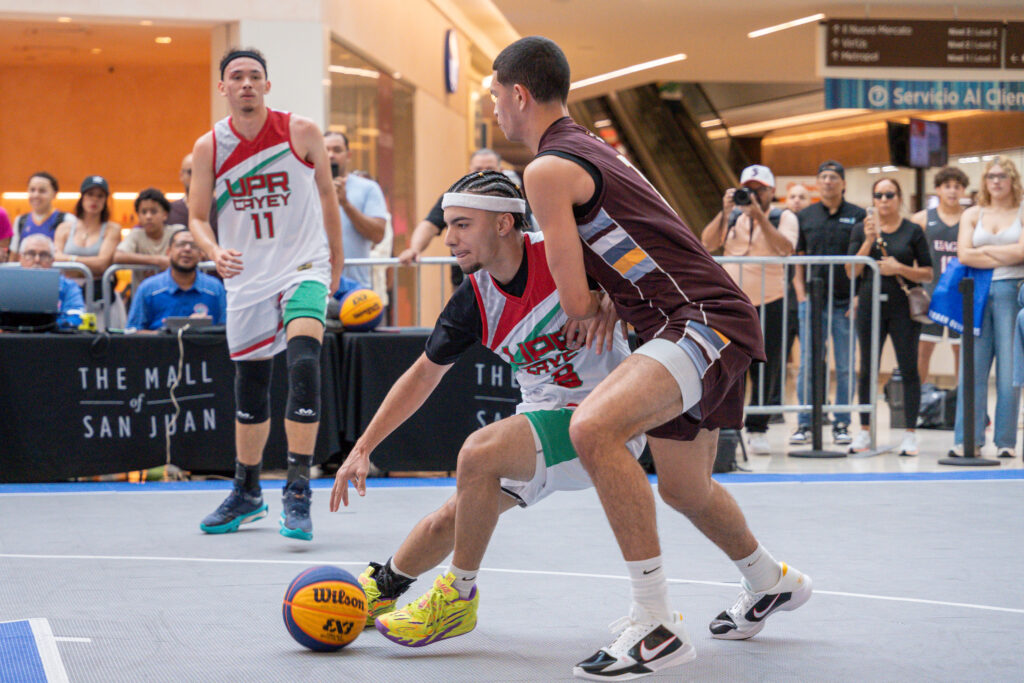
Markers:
268,218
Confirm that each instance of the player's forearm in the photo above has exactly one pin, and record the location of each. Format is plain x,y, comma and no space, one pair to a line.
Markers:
424,232
203,234
369,227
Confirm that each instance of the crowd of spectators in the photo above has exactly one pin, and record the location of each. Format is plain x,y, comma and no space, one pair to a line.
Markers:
910,251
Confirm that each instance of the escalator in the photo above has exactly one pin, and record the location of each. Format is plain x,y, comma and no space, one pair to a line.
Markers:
662,137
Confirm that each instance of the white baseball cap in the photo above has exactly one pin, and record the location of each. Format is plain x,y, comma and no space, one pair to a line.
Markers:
758,173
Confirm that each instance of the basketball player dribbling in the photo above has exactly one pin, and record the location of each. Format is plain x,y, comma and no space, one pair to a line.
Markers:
699,333
279,250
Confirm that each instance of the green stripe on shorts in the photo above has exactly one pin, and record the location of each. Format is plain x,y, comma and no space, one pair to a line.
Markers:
552,427
308,301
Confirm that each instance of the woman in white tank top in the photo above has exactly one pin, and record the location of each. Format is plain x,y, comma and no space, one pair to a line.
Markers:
992,236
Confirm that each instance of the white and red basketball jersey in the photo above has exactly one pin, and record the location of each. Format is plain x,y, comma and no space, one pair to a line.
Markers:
527,332
268,208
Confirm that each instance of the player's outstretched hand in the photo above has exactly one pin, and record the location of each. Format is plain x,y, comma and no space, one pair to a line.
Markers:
354,469
601,328
229,262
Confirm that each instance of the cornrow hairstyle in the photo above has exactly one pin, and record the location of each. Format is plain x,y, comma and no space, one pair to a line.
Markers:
494,183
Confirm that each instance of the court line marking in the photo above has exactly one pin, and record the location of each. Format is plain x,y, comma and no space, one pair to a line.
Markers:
93,488
535,572
71,639
46,645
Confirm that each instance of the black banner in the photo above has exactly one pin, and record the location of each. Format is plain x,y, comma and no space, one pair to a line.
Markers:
478,390
78,405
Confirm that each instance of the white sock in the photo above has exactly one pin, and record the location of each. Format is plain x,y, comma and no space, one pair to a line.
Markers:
760,569
395,570
464,581
650,589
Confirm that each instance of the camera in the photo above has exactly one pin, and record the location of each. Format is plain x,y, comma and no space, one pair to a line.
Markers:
743,196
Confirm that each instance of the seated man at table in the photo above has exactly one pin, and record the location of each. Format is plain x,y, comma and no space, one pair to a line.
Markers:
507,302
179,291
36,251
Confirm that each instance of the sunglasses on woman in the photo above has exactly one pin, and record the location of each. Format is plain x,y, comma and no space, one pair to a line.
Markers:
884,195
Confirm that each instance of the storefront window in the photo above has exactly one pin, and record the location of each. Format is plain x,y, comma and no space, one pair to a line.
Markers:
374,109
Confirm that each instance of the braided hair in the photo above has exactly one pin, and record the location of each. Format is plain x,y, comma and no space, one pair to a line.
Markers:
494,183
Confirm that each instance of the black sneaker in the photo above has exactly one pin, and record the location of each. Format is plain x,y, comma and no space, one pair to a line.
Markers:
641,648
801,436
237,509
295,521
840,434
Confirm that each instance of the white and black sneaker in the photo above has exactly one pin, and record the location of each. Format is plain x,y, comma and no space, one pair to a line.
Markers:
643,647
746,617
801,436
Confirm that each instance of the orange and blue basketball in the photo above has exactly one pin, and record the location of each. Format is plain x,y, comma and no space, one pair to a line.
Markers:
361,310
324,608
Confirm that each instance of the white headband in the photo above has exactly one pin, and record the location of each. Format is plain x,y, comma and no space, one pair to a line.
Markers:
487,202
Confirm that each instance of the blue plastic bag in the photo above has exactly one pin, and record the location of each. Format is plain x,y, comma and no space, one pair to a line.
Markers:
947,302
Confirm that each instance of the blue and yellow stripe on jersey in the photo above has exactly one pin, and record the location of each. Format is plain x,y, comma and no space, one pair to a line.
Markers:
616,247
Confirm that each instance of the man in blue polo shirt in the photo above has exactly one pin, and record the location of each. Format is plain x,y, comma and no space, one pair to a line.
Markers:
179,291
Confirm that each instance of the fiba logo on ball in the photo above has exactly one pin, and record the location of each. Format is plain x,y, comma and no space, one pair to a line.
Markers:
361,310
878,96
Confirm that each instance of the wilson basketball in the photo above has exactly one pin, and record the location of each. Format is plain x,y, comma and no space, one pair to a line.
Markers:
361,310
324,608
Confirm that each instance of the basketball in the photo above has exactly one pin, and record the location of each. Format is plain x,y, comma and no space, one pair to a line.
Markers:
324,608
361,310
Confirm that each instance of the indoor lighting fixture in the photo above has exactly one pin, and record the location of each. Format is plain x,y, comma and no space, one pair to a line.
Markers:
64,20
711,123
486,82
163,40
874,169
353,71
603,123
787,122
968,160
782,27
146,22
889,169
627,70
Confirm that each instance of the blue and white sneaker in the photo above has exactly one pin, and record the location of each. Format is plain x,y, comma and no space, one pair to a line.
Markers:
237,509
295,521
746,617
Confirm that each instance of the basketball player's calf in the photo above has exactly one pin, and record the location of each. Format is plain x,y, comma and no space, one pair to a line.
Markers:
302,419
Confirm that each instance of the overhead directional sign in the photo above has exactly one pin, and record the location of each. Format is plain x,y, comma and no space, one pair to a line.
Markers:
914,43
1014,45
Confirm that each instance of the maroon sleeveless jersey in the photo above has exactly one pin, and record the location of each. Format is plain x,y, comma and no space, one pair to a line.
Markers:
654,268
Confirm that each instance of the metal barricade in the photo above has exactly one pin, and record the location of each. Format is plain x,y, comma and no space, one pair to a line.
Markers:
107,289
394,263
836,261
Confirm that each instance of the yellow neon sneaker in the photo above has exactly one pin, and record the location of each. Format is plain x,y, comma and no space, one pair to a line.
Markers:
439,614
375,604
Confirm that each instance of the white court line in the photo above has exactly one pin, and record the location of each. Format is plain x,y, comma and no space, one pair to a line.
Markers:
312,561
46,645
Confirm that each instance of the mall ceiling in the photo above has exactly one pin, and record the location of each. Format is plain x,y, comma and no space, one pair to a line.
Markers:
599,36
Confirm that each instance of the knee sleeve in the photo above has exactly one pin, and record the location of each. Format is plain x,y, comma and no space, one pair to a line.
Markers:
303,379
252,390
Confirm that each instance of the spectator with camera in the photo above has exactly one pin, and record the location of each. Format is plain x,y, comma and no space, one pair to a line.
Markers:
364,213
748,226
991,236
180,291
904,260
825,229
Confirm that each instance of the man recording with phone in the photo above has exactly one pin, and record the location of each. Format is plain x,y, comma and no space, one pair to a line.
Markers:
748,226
364,213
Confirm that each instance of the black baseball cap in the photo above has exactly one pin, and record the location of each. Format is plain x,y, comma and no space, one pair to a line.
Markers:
95,181
833,166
